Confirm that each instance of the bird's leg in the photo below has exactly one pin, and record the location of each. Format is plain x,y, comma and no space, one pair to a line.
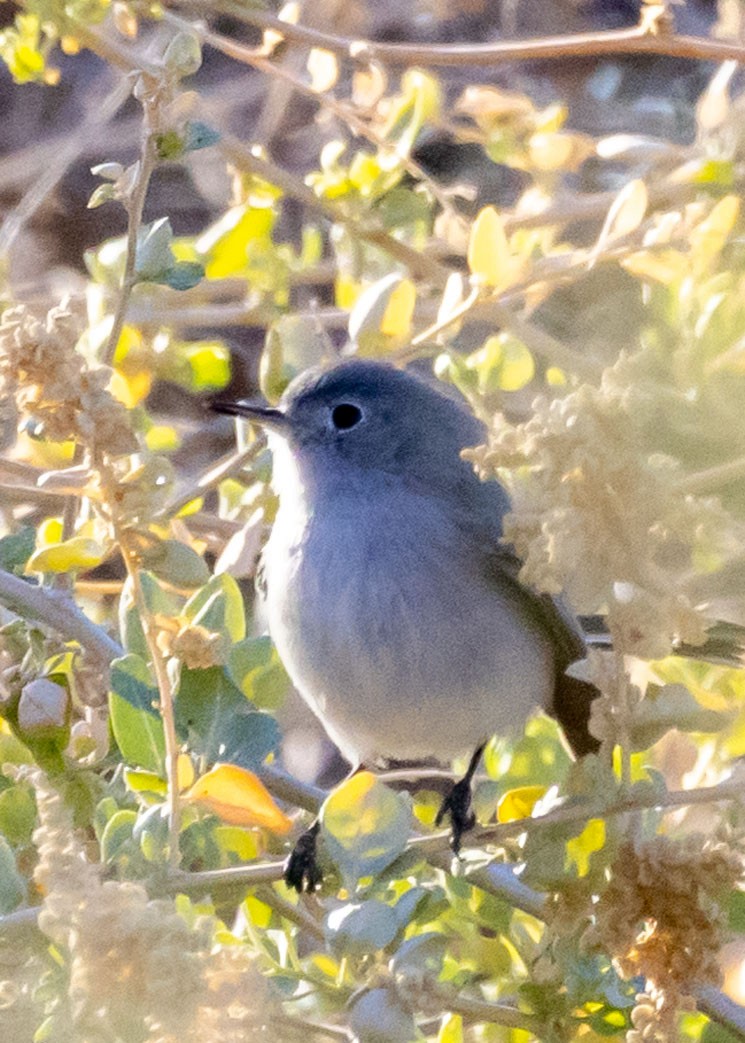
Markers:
457,803
301,870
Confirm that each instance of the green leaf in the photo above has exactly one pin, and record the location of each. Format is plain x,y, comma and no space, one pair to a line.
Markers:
117,834
12,884
183,275
154,256
103,194
219,723
135,721
200,135
365,827
379,1016
255,667
16,549
420,956
17,814
672,706
139,781
356,929
176,563
218,606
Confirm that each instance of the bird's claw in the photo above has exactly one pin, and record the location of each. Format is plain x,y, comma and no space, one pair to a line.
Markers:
457,804
301,870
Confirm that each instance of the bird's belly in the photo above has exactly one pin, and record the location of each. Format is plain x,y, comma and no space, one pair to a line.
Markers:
402,653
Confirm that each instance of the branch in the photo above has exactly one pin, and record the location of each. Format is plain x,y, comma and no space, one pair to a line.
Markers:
635,40
343,112
720,1008
135,206
474,1009
60,613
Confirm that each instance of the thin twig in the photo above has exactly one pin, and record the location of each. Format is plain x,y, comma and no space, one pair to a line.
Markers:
713,477
230,464
135,206
297,914
480,1011
165,695
634,40
178,881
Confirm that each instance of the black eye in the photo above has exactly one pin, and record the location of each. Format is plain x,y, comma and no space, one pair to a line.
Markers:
345,416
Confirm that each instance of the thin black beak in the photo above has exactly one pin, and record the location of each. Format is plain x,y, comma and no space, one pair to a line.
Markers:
264,415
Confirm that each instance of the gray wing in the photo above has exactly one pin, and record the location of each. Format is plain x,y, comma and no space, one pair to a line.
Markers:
572,698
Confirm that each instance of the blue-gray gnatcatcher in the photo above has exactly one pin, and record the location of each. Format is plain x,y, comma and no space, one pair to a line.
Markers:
392,601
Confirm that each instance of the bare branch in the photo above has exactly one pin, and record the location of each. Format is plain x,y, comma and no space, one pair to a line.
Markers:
56,610
634,40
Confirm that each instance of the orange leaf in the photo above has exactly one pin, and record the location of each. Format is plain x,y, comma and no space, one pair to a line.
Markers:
237,796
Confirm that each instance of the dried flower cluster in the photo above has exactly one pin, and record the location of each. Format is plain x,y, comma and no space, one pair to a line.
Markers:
195,645
660,918
134,961
602,514
50,380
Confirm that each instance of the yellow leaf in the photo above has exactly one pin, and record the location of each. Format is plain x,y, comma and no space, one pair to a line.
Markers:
519,802
323,68
225,244
489,257
708,238
396,321
237,796
184,771
50,531
72,555
451,1029
130,388
591,839
663,266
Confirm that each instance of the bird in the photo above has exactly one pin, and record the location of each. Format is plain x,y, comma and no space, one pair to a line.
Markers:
392,597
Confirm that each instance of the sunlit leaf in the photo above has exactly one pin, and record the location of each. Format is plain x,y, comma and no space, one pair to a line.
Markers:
396,321
239,797
502,364
218,606
135,721
224,245
323,67
708,237
361,927
489,259
590,840
451,1029
519,802
176,563
365,826
70,556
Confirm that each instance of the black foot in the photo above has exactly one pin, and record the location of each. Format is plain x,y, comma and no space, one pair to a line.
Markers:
301,870
457,804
